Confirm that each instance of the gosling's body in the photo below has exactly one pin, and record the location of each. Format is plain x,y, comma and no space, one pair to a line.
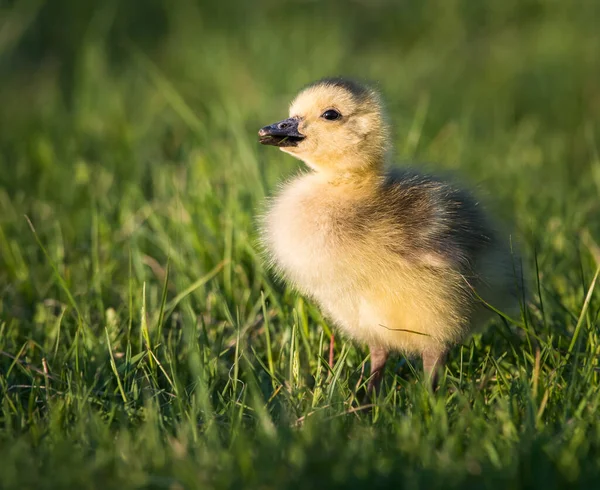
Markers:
393,257
382,258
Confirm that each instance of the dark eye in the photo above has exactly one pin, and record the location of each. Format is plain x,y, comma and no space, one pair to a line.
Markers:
331,115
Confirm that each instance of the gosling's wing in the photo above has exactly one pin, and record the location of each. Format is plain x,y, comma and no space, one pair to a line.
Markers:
436,218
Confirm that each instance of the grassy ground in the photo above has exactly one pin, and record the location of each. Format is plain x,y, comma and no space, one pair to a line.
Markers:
142,342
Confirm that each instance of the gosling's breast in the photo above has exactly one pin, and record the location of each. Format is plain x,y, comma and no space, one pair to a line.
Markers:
308,236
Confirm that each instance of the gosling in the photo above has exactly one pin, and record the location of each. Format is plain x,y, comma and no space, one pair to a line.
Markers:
400,261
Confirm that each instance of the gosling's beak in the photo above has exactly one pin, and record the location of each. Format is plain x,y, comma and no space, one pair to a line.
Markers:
282,133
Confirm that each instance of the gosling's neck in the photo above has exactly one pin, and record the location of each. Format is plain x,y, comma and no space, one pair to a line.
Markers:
352,169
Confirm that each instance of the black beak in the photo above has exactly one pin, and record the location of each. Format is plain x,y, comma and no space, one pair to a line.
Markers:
282,133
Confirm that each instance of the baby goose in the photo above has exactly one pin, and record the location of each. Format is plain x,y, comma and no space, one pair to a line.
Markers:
397,259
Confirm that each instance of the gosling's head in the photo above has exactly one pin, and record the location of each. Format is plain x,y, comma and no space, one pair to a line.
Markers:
335,126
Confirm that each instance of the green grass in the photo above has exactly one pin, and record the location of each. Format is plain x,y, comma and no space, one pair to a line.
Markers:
142,342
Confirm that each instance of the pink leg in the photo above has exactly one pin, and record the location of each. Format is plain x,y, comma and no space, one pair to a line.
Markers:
379,357
433,363
331,344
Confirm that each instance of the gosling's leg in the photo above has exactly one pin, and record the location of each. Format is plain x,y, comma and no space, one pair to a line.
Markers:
379,357
331,346
433,363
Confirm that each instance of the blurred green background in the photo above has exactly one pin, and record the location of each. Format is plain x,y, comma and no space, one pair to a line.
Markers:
128,139
491,88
